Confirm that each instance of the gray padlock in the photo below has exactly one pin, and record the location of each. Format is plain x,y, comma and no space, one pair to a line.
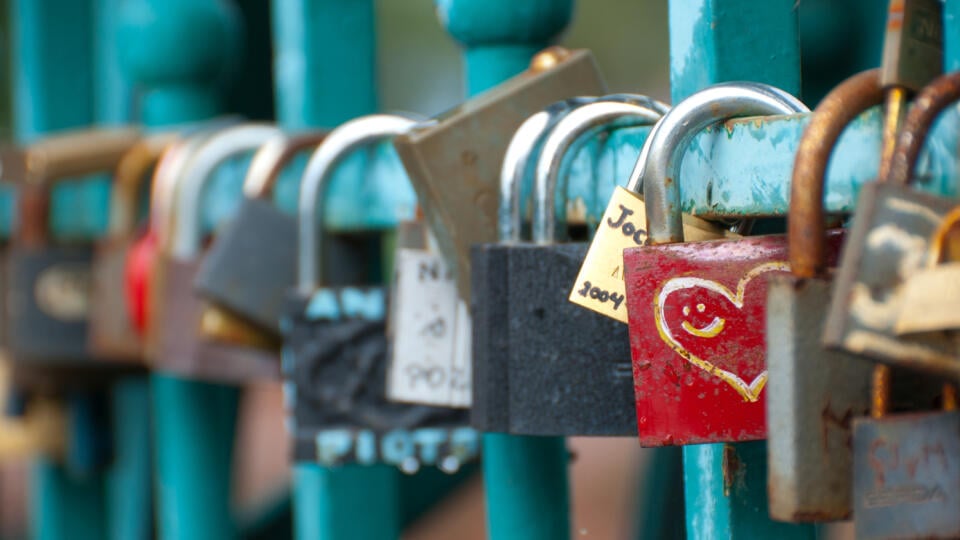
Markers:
252,262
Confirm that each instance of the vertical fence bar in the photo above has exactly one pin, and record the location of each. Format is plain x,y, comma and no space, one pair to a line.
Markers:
714,41
179,53
325,74
51,57
525,477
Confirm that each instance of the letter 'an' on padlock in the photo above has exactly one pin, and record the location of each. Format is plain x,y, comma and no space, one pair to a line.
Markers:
697,309
112,332
931,296
174,340
522,317
906,468
454,164
335,354
812,393
252,262
48,285
887,244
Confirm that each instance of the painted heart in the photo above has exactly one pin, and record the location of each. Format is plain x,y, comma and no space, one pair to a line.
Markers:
701,319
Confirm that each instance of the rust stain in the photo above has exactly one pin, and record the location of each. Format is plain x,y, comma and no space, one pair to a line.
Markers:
731,467
829,418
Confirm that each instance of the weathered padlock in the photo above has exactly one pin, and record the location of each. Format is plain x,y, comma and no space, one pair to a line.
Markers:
454,164
906,468
887,243
112,333
931,295
335,355
174,341
532,375
252,263
48,296
812,393
697,309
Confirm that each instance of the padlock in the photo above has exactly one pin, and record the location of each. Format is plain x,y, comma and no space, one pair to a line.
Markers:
454,164
532,374
174,341
696,309
335,355
112,333
48,289
252,263
812,393
931,295
906,468
888,242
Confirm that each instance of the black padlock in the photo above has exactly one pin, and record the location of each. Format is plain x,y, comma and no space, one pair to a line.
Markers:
335,346
48,284
542,365
252,262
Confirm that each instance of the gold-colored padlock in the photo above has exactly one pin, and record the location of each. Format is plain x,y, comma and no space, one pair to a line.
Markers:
931,296
599,286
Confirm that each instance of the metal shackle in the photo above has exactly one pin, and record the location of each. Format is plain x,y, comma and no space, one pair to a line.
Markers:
516,161
338,145
271,158
662,154
185,240
932,100
806,233
567,135
129,176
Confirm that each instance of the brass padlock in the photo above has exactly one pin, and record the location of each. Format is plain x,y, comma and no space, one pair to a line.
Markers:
454,163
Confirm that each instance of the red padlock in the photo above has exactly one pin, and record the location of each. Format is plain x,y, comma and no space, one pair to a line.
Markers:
139,261
697,309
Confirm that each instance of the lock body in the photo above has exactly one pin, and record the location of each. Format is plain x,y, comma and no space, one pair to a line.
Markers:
175,343
543,366
47,304
907,476
234,275
335,363
889,240
697,320
112,332
454,164
811,400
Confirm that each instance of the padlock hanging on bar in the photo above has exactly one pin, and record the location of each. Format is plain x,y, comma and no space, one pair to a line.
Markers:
696,310
335,345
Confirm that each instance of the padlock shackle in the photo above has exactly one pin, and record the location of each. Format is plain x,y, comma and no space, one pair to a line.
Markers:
69,155
663,151
184,238
77,153
940,237
339,144
269,161
130,175
932,100
516,160
567,136
806,233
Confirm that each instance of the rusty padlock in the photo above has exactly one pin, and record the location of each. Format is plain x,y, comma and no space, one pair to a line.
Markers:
812,393
697,309
112,332
888,242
